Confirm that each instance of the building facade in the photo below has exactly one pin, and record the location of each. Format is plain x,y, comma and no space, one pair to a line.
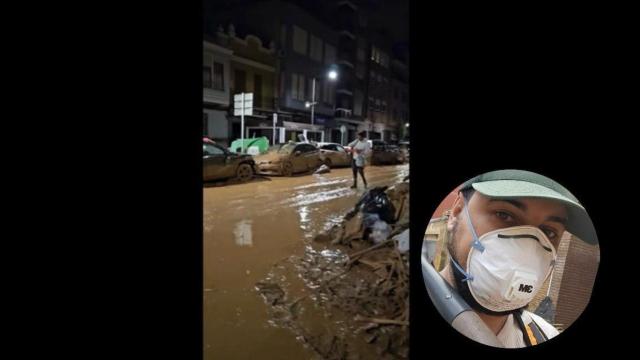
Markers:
305,40
216,91
249,67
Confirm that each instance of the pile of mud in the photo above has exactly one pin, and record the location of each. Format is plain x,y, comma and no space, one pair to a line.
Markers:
347,296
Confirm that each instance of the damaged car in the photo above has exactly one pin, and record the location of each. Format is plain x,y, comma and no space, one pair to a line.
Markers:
334,155
219,163
288,159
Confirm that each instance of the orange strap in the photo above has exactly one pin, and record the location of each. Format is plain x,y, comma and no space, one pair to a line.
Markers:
530,335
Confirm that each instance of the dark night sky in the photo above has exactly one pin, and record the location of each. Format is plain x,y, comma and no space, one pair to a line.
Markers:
393,15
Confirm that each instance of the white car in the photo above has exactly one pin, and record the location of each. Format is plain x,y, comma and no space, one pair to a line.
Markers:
334,155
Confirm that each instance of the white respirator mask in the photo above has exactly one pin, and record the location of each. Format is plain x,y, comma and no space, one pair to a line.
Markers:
507,267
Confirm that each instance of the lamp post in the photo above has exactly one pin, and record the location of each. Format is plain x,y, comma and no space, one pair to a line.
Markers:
332,74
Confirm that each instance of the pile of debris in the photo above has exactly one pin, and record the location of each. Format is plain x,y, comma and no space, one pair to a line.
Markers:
353,300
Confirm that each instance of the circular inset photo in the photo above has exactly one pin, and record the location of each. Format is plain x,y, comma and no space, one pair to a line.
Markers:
509,258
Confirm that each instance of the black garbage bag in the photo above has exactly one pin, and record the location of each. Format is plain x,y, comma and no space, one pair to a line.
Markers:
375,201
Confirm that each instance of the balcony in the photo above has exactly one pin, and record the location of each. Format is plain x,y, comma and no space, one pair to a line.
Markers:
345,63
344,91
219,97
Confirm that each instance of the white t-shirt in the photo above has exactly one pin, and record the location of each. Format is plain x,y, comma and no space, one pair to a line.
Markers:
359,150
511,336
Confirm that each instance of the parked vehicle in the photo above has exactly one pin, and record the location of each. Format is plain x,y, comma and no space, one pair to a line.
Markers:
219,163
334,155
383,153
288,159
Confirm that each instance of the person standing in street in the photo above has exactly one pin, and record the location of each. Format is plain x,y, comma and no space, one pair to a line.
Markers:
359,148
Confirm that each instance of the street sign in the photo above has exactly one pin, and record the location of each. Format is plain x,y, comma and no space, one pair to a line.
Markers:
343,129
241,107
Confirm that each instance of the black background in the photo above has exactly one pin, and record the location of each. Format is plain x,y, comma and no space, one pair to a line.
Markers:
112,211
539,89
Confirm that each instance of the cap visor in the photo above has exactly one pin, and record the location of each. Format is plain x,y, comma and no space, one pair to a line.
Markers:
579,223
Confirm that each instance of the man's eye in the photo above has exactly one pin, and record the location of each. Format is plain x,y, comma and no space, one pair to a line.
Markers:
504,216
551,234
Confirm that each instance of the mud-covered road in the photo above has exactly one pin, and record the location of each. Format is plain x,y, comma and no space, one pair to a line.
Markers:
247,228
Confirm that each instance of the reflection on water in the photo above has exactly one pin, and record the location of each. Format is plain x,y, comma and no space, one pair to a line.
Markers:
243,233
282,214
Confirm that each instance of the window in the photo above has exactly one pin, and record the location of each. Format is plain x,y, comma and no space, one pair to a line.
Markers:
206,77
327,92
383,108
379,57
329,54
205,124
384,59
257,90
377,105
340,148
294,86
218,76
208,149
299,40
240,81
309,148
300,87
319,92
316,48
305,148
297,86
358,98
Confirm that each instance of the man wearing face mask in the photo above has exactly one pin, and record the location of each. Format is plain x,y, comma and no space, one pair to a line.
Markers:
505,227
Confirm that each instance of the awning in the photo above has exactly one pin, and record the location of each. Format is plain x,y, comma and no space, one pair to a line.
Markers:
290,125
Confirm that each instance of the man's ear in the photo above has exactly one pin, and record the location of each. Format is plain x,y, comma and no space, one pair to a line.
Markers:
455,212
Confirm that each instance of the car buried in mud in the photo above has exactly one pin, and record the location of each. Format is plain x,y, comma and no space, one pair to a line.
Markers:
219,163
334,155
288,159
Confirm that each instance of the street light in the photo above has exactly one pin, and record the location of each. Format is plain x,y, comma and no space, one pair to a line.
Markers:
332,74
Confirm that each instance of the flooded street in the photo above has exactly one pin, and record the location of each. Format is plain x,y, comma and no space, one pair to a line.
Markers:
247,229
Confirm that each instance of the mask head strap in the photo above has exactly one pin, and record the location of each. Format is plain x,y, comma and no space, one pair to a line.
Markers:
467,276
476,243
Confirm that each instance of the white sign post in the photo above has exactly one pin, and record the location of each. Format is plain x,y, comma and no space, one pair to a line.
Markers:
343,130
242,105
275,121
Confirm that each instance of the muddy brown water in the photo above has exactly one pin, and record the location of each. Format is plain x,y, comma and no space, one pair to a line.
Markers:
247,229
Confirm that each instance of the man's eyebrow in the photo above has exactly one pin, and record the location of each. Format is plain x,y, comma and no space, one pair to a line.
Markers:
558,219
516,203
